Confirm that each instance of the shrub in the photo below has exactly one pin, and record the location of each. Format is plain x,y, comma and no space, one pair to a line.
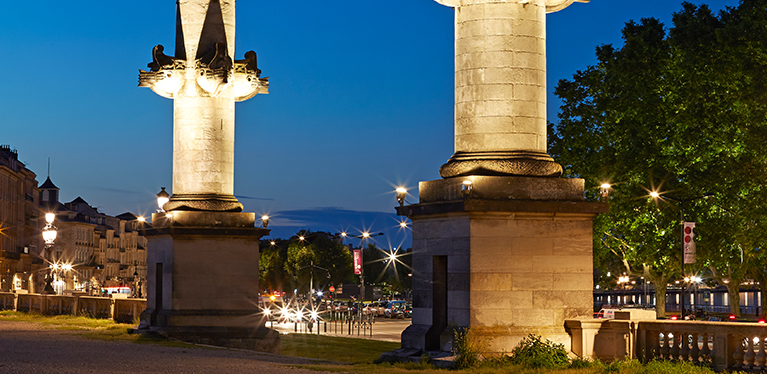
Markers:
534,352
467,348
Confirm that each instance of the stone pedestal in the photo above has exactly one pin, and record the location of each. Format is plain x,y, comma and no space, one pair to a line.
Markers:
202,280
508,257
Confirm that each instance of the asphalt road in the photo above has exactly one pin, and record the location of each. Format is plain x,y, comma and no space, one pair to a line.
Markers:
28,348
384,329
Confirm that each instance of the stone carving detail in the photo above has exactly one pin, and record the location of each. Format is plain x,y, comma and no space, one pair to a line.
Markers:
501,164
551,5
166,73
214,73
247,78
207,202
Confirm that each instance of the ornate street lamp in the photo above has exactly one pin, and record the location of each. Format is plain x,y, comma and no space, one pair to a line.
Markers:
138,283
362,237
604,191
265,220
162,198
681,205
401,194
49,236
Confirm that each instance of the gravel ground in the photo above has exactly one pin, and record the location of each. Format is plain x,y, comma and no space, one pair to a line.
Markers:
29,348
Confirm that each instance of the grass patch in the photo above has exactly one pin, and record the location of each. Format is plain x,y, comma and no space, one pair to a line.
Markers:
332,348
92,328
619,367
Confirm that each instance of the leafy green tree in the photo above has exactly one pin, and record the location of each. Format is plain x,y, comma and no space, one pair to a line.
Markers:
680,110
319,255
271,266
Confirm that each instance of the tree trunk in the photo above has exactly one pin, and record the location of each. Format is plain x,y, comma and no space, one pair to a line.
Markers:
733,294
660,299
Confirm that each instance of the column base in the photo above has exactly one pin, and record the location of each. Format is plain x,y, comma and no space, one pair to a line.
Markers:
202,280
515,163
203,202
508,258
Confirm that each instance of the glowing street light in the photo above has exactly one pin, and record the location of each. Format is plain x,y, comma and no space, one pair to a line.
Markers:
49,236
265,220
362,237
604,190
401,194
681,204
162,198
466,187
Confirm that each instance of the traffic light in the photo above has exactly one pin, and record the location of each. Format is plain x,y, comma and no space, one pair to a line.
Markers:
688,235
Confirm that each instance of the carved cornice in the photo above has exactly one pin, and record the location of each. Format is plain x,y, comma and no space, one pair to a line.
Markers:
551,5
212,73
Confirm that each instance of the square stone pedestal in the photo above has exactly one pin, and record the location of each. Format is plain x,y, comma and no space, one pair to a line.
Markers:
202,280
508,257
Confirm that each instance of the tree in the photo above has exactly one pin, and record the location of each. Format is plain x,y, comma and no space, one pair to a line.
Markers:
319,255
679,110
271,266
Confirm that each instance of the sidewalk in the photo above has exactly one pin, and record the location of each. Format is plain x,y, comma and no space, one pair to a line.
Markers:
28,348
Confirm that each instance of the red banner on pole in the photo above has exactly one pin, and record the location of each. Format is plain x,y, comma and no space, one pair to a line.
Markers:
357,261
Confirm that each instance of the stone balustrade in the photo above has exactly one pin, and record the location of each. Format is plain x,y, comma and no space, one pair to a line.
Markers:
724,346
120,310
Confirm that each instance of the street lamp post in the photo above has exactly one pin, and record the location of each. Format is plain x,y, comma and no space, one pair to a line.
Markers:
681,205
49,236
365,235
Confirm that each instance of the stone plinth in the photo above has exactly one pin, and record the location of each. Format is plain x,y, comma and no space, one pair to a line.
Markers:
202,278
511,257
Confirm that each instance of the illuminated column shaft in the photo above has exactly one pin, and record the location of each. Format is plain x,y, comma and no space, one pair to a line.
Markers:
203,146
500,77
500,88
203,126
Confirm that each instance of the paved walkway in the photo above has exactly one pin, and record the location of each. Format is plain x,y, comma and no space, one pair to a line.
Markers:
28,348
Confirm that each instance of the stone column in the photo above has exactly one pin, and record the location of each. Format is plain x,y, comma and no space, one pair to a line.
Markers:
500,88
202,252
500,244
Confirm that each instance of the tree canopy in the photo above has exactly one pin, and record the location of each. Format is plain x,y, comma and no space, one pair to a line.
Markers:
682,111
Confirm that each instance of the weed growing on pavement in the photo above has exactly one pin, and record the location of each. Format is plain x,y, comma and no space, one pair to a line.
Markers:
467,348
535,352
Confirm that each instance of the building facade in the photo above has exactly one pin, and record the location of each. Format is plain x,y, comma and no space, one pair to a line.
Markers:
20,239
98,253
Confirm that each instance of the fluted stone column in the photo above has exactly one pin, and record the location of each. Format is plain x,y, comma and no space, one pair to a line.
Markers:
500,88
204,83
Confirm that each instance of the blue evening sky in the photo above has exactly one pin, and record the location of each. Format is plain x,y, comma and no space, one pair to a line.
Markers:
361,100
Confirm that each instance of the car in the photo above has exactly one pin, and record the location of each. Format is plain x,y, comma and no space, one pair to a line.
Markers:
605,313
376,308
408,311
340,306
392,307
